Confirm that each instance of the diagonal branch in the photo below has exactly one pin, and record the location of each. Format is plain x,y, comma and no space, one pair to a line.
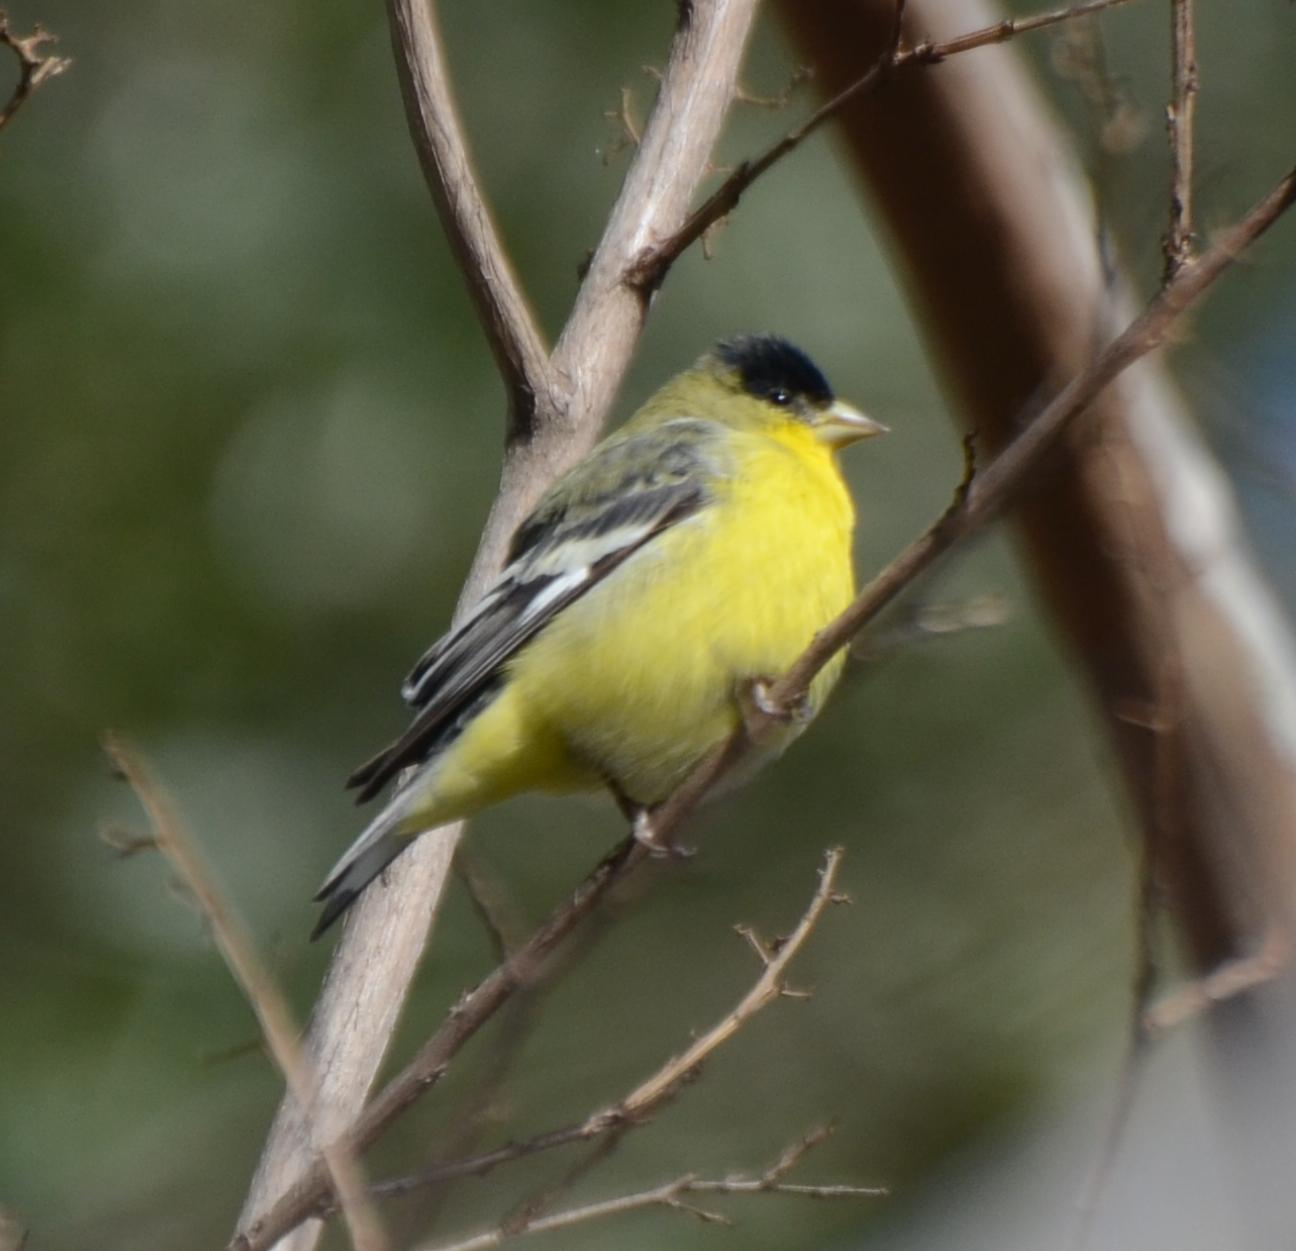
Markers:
267,1001
995,489
976,503
429,1064
653,266
666,1081
509,325
768,987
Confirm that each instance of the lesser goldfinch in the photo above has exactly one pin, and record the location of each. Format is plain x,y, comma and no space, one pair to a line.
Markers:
694,551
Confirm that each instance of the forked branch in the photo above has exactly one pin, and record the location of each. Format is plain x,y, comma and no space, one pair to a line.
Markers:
35,64
661,1086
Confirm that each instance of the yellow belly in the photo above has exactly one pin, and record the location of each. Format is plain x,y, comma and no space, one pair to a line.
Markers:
635,682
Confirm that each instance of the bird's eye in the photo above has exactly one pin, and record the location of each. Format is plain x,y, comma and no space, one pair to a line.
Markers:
780,397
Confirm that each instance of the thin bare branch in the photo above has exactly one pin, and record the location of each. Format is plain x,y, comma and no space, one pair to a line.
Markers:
510,326
255,980
425,1070
308,1197
35,66
653,266
499,912
926,622
932,53
997,486
672,1195
666,1081
1178,244
768,987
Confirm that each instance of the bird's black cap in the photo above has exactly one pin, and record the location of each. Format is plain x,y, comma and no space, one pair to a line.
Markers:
768,365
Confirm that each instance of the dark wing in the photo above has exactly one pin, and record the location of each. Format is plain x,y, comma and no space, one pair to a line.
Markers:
626,493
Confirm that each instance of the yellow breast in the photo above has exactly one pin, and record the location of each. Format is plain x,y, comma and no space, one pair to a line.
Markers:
637,678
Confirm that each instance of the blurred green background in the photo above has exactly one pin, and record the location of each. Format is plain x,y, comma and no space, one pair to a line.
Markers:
248,435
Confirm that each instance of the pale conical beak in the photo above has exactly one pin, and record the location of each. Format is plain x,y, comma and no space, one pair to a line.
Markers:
843,423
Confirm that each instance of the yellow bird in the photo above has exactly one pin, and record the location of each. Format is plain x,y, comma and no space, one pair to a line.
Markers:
694,551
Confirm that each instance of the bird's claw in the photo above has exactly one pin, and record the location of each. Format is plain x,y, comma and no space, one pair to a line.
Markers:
758,706
646,836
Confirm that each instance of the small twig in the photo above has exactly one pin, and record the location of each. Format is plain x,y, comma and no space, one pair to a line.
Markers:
651,269
932,53
35,66
768,987
425,1070
525,1213
672,1195
1122,1107
235,1051
254,979
801,75
629,132
658,1088
1118,123
1178,244
1229,980
125,843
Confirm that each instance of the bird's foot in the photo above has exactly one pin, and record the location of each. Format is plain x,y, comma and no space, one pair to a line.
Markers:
759,708
647,837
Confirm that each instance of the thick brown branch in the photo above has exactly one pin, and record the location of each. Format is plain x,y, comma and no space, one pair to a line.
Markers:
996,487
34,65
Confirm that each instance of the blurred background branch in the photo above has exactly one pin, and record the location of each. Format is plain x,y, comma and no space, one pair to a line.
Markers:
991,228
36,65
171,837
